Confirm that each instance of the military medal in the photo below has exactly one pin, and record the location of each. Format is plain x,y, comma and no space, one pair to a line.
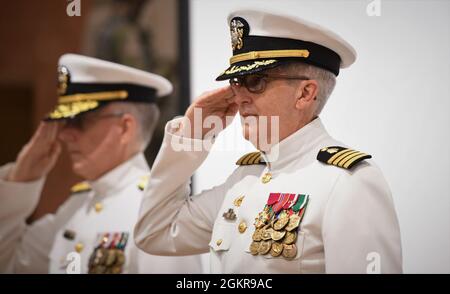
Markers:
289,251
290,237
294,221
277,224
257,235
278,235
254,247
276,249
264,247
267,234
108,256
282,221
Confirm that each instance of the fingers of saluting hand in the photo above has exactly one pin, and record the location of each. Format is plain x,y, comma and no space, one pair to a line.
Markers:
218,97
46,133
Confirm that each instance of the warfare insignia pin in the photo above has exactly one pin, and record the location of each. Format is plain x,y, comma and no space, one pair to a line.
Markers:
229,215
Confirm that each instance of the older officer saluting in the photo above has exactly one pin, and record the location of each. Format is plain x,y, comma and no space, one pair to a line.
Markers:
305,204
105,116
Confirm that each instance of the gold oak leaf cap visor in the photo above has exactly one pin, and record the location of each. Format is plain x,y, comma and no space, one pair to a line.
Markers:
262,40
86,83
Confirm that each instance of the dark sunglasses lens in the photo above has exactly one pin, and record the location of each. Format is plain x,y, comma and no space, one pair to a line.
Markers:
255,84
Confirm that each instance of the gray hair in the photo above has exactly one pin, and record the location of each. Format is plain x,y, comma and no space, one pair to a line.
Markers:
147,116
325,79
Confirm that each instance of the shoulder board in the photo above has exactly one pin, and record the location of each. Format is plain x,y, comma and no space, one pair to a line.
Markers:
80,187
143,182
251,158
342,157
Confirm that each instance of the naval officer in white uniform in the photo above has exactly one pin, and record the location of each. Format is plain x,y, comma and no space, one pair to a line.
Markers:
105,116
304,204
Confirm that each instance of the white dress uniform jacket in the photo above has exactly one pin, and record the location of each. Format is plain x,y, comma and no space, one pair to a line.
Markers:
349,226
110,207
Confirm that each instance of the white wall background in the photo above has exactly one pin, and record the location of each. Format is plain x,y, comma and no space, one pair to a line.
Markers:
394,103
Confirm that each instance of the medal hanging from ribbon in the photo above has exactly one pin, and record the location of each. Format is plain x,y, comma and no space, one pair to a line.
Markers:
276,227
109,256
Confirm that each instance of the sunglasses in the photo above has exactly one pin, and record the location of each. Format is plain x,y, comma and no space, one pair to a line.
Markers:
257,83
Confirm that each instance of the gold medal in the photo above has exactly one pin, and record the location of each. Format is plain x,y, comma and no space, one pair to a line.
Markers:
290,237
98,269
281,222
264,247
294,221
120,258
278,235
261,220
276,249
289,251
116,270
254,248
267,234
110,257
257,235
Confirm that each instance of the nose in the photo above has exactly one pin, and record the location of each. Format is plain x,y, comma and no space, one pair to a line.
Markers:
68,134
241,95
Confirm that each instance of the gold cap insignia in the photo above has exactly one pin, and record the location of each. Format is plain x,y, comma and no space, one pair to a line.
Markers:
237,32
63,79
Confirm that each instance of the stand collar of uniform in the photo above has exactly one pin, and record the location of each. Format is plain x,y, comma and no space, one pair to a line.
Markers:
296,145
121,175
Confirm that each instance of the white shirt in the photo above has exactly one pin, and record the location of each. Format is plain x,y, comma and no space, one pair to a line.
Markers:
349,225
41,247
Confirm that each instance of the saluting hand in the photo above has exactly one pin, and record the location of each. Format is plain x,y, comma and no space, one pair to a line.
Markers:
219,103
39,155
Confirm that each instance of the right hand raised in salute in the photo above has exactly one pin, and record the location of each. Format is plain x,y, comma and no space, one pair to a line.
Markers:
39,155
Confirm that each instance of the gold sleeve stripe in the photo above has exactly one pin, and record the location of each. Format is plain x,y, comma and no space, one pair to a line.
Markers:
349,157
354,159
330,161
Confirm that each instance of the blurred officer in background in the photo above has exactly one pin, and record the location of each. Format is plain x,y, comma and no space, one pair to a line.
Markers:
105,116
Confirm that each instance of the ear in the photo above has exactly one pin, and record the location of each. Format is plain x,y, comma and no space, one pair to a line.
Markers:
129,128
306,94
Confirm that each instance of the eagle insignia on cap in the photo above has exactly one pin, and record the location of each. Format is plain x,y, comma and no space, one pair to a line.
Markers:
63,79
237,32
